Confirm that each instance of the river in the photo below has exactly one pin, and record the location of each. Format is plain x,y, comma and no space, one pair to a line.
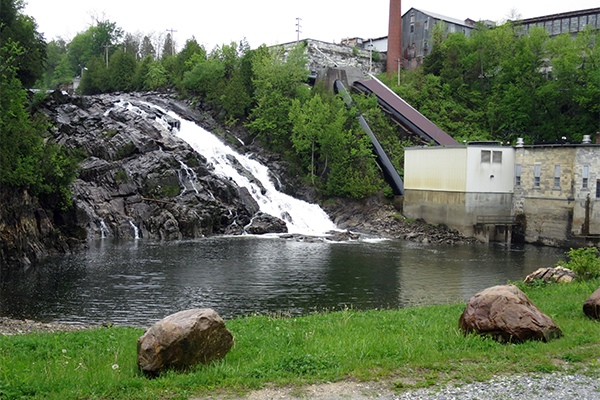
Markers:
137,282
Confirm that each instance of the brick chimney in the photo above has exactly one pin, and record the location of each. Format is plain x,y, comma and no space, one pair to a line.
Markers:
394,36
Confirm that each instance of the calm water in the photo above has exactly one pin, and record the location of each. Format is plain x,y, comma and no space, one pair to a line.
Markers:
139,282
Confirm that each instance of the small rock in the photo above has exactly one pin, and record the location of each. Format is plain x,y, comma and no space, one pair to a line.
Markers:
591,307
508,315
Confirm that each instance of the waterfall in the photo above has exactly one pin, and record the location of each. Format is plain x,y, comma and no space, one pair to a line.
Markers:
300,217
136,231
104,230
190,176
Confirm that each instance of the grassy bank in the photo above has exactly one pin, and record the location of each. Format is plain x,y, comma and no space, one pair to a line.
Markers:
413,347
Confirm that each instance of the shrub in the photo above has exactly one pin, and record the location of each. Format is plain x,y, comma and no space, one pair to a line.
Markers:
585,262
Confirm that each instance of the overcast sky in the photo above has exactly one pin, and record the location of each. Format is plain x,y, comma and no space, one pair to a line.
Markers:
216,22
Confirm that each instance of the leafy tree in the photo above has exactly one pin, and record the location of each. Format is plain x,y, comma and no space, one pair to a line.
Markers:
131,45
156,78
168,47
121,70
27,159
147,49
95,79
277,82
22,29
56,51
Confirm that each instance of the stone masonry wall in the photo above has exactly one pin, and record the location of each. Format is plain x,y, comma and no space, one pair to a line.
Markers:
322,55
587,202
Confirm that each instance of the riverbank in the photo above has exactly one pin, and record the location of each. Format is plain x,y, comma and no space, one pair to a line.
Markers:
395,351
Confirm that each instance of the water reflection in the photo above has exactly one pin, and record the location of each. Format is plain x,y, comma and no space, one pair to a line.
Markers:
138,282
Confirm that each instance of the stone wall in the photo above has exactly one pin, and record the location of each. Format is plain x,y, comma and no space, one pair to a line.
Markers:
586,210
322,55
558,212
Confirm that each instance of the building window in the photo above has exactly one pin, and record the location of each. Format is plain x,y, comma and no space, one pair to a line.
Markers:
537,174
412,17
497,157
586,176
557,176
485,156
598,189
518,175
426,24
412,28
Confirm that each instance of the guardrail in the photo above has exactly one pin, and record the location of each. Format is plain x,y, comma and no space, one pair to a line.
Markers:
496,220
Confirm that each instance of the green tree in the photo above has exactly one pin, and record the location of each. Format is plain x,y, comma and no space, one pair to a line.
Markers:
131,45
156,78
277,81
95,79
147,49
121,71
27,157
22,29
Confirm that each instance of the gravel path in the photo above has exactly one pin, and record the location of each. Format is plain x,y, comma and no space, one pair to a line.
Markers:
529,387
557,386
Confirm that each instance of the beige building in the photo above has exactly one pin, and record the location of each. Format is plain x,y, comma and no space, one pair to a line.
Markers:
468,188
547,193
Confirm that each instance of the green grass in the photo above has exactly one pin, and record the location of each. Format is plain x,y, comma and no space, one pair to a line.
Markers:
413,347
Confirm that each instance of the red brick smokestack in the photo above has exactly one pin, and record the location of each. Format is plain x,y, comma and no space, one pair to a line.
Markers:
394,36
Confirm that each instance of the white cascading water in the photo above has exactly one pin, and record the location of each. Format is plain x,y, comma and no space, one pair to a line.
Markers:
104,230
136,231
300,217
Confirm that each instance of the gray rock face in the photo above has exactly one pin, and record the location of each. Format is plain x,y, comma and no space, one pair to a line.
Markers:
591,307
183,340
265,223
506,313
140,178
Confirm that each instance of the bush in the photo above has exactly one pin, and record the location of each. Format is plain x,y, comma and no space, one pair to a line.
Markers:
585,262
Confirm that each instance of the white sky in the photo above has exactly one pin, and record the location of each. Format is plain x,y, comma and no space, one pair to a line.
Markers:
215,22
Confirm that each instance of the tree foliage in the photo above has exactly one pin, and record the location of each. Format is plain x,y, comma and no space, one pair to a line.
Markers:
503,84
22,29
26,158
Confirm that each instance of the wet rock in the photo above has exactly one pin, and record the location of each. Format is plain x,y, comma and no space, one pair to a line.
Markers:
264,223
551,275
506,314
183,340
591,307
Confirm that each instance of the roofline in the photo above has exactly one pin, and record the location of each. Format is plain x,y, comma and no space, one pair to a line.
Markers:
562,15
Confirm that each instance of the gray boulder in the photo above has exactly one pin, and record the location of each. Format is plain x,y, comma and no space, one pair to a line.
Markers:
505,313
264,223
183,340
591,307
552,275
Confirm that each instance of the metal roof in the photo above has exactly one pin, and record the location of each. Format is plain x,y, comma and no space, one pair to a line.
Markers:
412,119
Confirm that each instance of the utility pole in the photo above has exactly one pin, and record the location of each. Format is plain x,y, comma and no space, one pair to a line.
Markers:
172,41
298,19
106,53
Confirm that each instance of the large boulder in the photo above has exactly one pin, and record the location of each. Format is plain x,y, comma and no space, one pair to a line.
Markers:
591,307
508,315
551,275
183,340
264,223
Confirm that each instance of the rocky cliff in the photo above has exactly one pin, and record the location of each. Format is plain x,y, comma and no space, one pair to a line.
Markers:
138,180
